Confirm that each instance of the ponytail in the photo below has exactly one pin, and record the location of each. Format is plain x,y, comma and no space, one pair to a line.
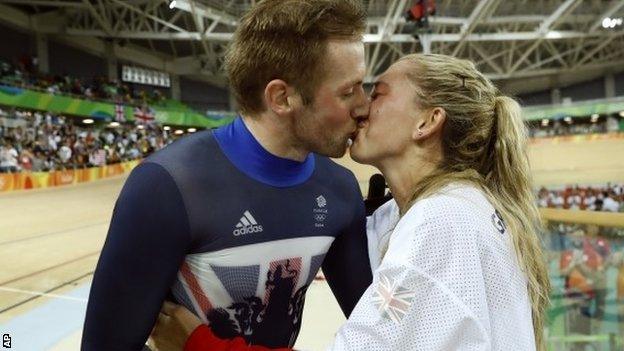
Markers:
510,183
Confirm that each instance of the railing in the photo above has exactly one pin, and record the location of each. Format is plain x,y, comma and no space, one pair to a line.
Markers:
575,109
24,85
37,180
136,102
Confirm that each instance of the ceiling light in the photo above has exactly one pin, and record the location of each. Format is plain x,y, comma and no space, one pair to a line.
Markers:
166,128
179,132
114,124
191,130
172,4
545,122
87,121
611,22
553,34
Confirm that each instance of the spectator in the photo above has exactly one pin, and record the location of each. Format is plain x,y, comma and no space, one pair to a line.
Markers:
612,124
65,154
113,156
133,152
26,159
574,200
38,162
610,202
53,89
8,158
97,157
50,164
542,198
557,200
590,200
618,189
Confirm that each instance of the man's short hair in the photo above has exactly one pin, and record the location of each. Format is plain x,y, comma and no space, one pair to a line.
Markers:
287,39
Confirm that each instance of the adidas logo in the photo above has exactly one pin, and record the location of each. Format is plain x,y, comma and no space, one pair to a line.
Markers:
247,225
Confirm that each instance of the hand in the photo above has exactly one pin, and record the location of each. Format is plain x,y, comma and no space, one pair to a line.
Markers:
173,327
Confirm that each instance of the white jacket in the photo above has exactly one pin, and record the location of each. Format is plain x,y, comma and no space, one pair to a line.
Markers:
449,280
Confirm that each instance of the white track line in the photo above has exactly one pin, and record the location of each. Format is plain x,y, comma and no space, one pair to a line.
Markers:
36,293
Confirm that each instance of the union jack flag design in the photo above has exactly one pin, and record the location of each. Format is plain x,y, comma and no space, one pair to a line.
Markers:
119,113
258,300
391,299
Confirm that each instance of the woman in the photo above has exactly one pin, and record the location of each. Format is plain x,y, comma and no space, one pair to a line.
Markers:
457,260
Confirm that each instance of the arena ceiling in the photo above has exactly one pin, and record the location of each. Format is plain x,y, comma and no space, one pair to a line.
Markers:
525,45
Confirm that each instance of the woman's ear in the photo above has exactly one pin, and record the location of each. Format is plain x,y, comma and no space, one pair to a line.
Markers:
279,97
431,123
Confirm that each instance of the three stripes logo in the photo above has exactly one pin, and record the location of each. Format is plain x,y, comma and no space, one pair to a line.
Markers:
247,225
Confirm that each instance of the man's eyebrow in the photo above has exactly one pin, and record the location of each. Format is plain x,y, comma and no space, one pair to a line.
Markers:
351,83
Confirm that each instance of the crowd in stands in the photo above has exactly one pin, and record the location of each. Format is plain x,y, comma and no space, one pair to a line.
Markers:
26,75
42,141
609,124
608,198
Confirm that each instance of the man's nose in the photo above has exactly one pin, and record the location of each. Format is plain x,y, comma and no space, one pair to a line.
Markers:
363,106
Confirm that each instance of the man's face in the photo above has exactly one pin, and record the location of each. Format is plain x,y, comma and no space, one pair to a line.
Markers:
325,126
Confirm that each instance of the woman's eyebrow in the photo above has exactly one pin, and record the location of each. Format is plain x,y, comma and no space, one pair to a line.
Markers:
378,83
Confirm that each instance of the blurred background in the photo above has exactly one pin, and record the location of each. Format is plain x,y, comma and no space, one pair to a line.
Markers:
88,88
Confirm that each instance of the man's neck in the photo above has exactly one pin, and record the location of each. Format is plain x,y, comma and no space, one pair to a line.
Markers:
275,136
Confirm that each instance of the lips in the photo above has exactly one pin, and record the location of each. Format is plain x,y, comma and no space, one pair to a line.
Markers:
362,122
353,135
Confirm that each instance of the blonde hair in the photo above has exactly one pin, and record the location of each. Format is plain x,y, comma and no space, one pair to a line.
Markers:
484,142
287,39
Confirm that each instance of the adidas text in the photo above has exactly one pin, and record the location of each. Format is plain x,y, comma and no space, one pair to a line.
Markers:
248,230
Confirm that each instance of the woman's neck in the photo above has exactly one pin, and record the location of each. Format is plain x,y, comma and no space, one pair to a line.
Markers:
403,175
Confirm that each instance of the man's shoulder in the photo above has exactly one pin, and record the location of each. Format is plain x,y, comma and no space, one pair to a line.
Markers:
192,149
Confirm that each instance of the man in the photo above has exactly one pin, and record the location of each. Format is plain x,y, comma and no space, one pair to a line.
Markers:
236,222
8,158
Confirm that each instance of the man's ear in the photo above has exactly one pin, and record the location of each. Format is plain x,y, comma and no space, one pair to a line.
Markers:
431,123
279,96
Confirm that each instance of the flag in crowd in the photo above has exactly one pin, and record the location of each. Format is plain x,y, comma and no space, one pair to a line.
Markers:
144,115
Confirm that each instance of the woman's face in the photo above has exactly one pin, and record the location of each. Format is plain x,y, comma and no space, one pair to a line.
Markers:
393,117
